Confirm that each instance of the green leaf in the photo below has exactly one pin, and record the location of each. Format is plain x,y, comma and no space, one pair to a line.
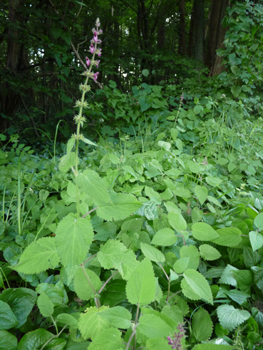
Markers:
177,221
197,285
21,301
258,221
141,284
39,256
114,293
152,253
110,339
235,90
45,305
70,144
181,265
91,183
92,323
118,317
209,253
153,326
244,279
88,142
256,240
121,206
164,237
204,232
192,253
36,339
67,319
157,344
83,287
201,193
228,237
228,277
73,239
67,162
54,292
230,318
212,347
202,325
114,255
7,341
7,318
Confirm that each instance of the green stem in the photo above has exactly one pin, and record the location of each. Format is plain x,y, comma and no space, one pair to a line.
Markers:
97,301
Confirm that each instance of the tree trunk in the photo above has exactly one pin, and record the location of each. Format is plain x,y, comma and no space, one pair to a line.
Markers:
182,41
216,36
199,30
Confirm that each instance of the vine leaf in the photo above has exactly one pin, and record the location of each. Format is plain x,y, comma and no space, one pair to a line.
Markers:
202,325
121,206
140,287
39,256
73,239
195,286
230,318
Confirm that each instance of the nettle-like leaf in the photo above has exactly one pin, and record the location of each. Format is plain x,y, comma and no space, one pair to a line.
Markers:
164,237
67,162
140,287
83,287
228,277
73,239
110,339
39,256
153,326
192,253
209,253
204,232
91,183
152,253
195,286
230,318
114,255
92,323
121,206
228,237
256,240
202,325
181,265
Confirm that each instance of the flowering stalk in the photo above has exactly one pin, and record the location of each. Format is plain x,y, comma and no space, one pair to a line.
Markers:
176,342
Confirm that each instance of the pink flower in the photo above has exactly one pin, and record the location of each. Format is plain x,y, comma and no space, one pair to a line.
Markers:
95,38
91,48
97,63
98,52
95,76
87,61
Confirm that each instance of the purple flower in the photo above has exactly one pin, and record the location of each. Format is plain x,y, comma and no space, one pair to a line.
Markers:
87,61
97,63
176,342
98,52
95,76
91,48
95,38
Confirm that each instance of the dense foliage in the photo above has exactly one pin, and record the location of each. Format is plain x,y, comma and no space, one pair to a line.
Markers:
147,234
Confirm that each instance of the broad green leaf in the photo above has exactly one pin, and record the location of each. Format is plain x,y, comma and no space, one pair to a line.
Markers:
141,284
92,323
181,265
114,293
230,318
198,284
238,296
53,291
39,256
67,319
258,221
214,201
213,181
88,142
256,240
45,305
157,344
85,283
7,341
114,255
91,183
70,144
174,312
152,253
228,237
212,347
192,253
67,162
121,206
204,232
209,253
196,215
7,318
235,89
109,339
250,258
21,301
73,239
164,237
244,279
153,326
177,221
202,325
228,277
201,193
118,317
36,339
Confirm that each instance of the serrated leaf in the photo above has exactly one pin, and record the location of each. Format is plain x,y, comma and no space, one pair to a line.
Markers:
91,183
209,253
256,240
230,318
121,206
67,162
110,339
204,232
192,253
45,305
114,255
181,265
67,319
164,237
70,144
83,287
73,239
202,325
157,344
198,285
152,253
177,221
36,339
140,287
228,237
227,276
91,323
39,256
201,193
153,326
118,317
258,221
